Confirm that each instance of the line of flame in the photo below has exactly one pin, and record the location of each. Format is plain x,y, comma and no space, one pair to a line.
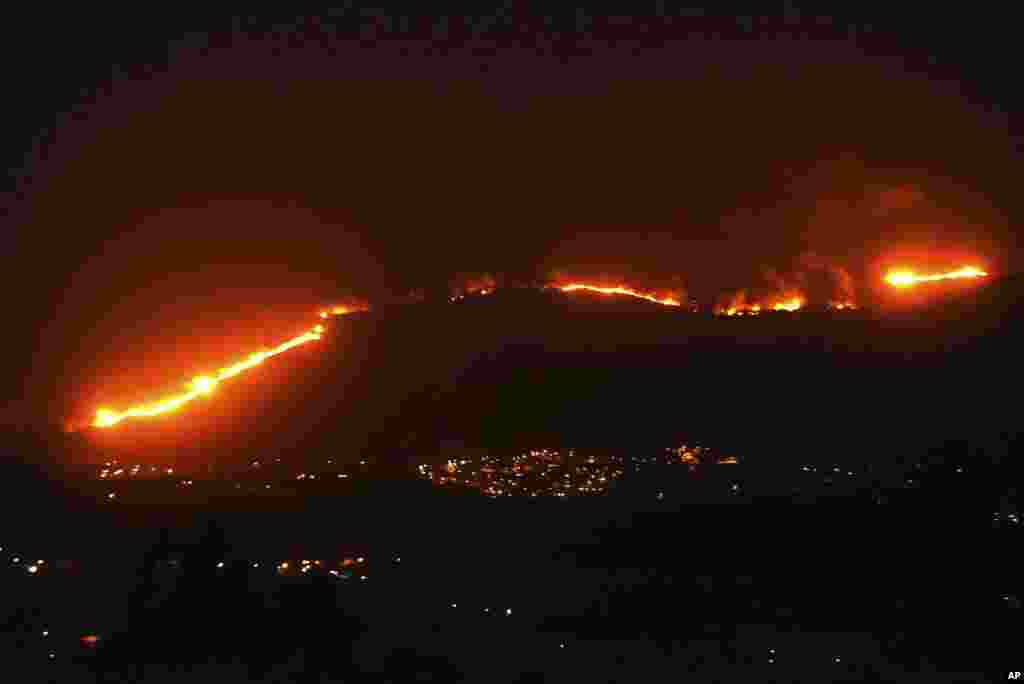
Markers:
667,301
904,278
203,384
340,311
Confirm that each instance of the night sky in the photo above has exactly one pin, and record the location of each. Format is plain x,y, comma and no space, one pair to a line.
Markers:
184,189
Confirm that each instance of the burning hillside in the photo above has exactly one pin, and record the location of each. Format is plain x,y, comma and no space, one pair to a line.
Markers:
472,284
204,385
793,293
351,305
612,285
740,304
815,283
619,290
201,385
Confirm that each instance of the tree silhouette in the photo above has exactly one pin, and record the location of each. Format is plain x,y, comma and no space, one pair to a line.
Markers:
211,615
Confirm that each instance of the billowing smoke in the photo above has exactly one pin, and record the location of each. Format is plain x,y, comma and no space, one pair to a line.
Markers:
814,282
827,283
894,199
785,286
844,285
731,303
677,290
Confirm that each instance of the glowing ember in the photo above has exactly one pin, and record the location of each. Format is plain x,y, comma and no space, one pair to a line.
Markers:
202,385
904,278
841,306
621,290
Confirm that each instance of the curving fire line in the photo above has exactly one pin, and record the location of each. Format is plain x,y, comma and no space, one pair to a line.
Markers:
203,384
905,278
622,290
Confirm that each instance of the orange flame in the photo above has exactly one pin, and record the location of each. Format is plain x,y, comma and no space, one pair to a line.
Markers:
790,304
739,306
464,285
620,289
203,384
343,310
907,278
742,310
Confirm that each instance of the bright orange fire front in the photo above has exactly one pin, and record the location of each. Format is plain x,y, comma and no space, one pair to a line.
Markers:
740,306
343,310
791,304
907,278
742,310
620,290
203,384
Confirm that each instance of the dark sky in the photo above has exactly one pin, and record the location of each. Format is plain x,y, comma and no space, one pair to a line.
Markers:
183,188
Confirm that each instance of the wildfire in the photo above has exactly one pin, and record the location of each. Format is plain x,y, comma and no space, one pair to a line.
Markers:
203,384
480,293
342,310
467,284
906,278
752,310
739,306
621,290
791,304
